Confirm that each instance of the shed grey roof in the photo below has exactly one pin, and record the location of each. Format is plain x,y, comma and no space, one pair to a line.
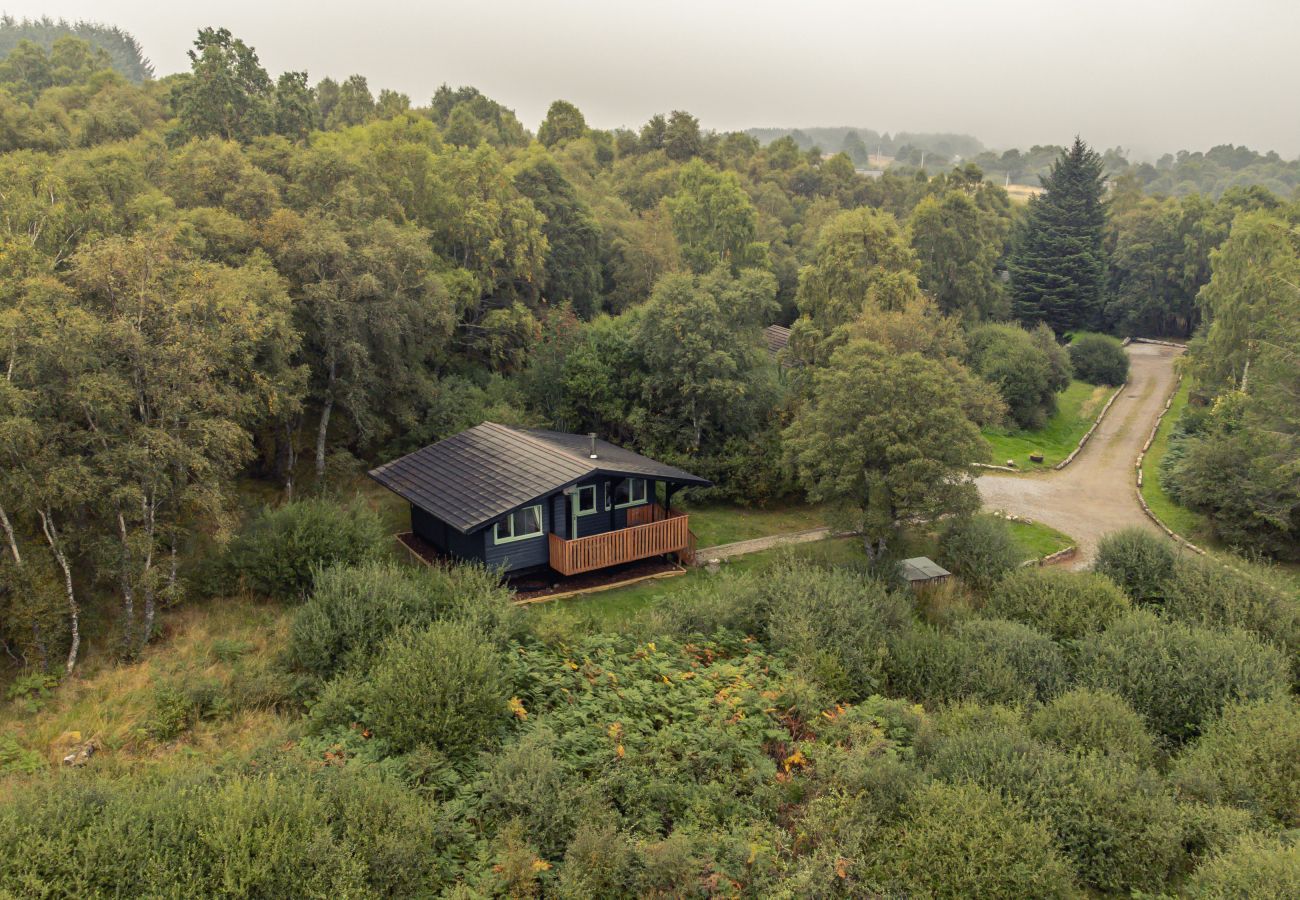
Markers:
778,336
922,568
473,477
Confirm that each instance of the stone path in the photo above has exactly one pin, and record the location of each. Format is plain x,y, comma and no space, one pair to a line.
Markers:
1095,494
740,548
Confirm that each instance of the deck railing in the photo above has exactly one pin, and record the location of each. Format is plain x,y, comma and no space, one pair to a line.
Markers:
668,534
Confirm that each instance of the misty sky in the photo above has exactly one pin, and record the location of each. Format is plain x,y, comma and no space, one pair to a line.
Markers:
1149,75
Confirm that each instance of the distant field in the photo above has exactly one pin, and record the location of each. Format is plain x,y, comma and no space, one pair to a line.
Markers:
1020,193
1076,408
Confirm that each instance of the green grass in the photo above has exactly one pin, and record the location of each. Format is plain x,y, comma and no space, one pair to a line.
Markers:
1037,540
714,525
1189,523
1077,408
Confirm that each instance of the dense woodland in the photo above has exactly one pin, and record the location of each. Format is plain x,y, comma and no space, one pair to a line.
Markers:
226,289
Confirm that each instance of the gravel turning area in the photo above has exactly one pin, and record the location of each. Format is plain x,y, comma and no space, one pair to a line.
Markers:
1095,494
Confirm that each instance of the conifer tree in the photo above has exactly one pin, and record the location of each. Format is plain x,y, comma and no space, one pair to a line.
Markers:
1058,266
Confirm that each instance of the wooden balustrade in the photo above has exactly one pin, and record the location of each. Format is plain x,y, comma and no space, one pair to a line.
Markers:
667,535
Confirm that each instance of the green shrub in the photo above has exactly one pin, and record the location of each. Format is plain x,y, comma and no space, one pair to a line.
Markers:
443,686
963,841
1204,592
833,623
1179,676
598,863
978,548
1027,368
1249,757
1088,721
1098,358
277,553
179,705
996,661
354,609
1260,867
1139,561
1065,605
18,760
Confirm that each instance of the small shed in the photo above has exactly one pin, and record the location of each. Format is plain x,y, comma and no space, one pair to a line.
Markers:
921,571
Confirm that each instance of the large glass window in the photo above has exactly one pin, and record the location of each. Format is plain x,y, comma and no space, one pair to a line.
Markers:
630,492
523,523
586,499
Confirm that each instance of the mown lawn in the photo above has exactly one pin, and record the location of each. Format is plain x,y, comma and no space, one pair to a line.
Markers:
714,525
1076,409
1189,523
1037,540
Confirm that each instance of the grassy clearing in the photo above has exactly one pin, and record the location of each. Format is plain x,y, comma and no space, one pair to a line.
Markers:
1187,522
213,641
714,525
1037,540
1077,408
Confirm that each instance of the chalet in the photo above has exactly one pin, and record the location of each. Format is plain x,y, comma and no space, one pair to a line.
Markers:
521,498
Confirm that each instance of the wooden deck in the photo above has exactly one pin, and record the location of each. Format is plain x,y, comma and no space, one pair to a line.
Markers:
651,532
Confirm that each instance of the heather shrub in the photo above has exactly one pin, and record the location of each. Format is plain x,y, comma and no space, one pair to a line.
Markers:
352,610
1139,561
1261,867
1179,676
1092,721
1250,758
979,549
1065,605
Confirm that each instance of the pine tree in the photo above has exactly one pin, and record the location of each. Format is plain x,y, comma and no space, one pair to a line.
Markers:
1058,266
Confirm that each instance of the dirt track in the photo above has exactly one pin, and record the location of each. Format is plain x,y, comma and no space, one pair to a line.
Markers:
1095,494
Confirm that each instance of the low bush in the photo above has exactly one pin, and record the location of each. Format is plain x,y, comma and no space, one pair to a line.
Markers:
179,705
964,841
995,661
1139,561
978,548
443,686
1089,721
1179,676
1098,358
354,609
1261,867
1204,592
1027,367
278,552
1065,605
1250,758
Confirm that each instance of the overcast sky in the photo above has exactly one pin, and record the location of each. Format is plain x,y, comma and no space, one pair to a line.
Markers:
1149,75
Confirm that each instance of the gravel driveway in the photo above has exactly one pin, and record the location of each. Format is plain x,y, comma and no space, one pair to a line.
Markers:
1095,494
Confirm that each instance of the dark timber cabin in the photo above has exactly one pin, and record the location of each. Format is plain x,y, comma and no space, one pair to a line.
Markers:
519,498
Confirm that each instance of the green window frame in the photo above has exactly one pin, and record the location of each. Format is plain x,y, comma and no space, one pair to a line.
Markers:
631,485
581,508
519,525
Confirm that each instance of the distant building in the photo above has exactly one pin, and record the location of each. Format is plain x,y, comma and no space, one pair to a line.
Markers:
921,571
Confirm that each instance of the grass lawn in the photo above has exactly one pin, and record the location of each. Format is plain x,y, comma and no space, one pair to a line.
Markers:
1189,523
1038,540
715,525
1076,409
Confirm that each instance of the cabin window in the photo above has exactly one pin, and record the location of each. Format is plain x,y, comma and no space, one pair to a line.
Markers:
630,492
521,524
586,499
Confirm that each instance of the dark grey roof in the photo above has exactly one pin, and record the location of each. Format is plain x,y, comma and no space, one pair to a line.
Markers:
778,336
473,477
922,568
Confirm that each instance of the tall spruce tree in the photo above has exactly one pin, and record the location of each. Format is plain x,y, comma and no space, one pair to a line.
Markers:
1058,265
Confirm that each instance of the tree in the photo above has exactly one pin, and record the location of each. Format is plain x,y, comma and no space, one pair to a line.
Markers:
228,93
862,259
885,438
563,122
714,220
959,245
1058,261
573,271
295,110
355,104
681,138
1028,369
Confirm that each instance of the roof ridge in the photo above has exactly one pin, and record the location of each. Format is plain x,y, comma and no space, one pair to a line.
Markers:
527,435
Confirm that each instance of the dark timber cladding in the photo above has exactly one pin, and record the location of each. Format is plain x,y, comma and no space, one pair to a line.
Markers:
499,495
